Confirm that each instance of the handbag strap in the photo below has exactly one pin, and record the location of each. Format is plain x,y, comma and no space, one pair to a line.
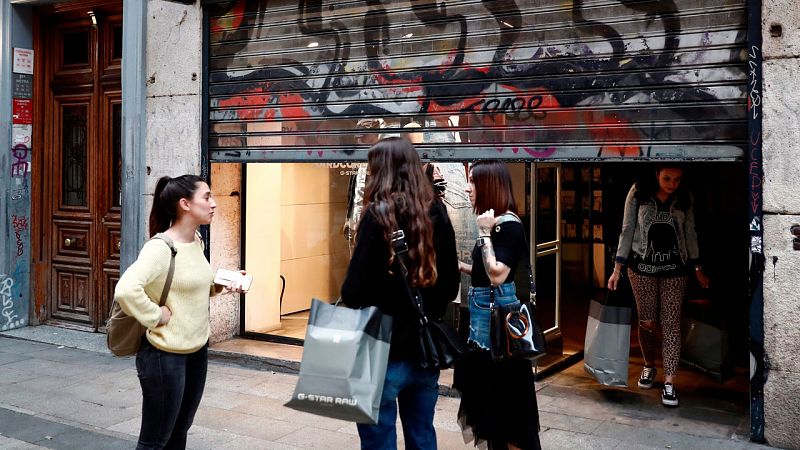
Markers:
511,217
171,271
400,247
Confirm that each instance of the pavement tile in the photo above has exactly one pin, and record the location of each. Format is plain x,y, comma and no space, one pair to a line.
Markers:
309,437
202,438
567,423
6,358
7,443
244,424
661,438
264,407
251,443
22,347
76,438
560,439
129,427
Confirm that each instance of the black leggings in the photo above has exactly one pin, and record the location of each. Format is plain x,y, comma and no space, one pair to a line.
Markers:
172,386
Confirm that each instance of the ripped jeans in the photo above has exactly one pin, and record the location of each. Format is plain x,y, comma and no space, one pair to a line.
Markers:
480,310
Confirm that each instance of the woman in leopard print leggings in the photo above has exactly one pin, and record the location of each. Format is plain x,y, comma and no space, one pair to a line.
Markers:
658,230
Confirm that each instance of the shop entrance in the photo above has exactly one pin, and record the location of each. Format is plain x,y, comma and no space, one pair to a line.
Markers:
79,56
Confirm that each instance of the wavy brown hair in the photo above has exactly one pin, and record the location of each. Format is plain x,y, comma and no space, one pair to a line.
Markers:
398,192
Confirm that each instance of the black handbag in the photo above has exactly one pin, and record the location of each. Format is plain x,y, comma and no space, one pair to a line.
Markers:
513,331
439,344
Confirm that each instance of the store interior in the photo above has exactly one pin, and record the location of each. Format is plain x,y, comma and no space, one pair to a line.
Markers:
298,231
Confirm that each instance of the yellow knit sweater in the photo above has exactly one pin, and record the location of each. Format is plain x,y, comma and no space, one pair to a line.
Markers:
139,290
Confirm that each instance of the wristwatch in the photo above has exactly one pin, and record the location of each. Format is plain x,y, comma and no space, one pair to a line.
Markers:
482,240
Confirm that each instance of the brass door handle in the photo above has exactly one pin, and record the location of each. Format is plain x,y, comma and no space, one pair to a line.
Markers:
119,245
68,242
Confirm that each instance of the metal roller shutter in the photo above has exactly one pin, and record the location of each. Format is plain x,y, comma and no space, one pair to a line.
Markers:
536,79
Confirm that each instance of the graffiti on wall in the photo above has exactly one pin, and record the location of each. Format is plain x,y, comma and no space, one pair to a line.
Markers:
8,315
613,79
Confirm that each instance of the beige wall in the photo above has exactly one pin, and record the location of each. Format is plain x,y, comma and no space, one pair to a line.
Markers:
295,214
781,145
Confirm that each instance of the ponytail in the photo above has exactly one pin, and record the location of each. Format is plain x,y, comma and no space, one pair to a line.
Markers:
169,191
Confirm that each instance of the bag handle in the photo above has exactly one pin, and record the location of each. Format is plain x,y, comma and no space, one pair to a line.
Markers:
511,217
400,247
168,283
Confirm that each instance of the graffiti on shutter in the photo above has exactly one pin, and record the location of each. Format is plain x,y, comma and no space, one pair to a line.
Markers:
538,79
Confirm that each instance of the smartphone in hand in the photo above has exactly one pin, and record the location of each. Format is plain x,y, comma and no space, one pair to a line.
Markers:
226,277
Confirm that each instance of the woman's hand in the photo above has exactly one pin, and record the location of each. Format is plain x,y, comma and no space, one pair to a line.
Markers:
613,281
166,314
465,268
702,279
236,286
486,222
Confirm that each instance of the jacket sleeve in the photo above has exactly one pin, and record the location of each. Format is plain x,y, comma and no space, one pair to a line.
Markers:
628,227
691,235
448,277
367,264
152,262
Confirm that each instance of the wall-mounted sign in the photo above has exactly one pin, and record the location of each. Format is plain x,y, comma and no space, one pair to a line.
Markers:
23,85
23,61
21,134
22,112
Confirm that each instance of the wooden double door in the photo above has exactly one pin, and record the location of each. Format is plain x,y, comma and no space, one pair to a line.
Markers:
79,56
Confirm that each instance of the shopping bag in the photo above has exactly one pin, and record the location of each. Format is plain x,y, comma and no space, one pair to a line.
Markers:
345,355
706,348
608,342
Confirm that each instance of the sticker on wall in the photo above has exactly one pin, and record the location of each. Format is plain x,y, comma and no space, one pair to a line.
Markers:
23,85
21,134
23,61
22,113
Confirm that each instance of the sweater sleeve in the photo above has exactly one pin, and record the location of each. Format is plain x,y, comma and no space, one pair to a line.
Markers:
448,277
629,219
368,263
153,261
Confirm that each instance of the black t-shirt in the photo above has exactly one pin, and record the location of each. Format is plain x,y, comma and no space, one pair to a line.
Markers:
509,247
663,258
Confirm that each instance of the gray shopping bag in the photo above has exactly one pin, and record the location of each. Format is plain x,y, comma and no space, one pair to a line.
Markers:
608,343
345,355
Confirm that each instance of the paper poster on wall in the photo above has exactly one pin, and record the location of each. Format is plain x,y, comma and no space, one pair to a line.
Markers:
21,134
23,61
22,112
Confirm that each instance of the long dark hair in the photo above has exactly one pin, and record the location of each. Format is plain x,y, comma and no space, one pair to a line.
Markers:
492,182
647,187
397,190
169,191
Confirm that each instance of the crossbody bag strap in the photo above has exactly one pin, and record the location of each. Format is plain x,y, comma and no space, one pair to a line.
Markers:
401,256
171,271
511,217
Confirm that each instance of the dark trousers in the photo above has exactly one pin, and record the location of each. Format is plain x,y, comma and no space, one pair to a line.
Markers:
172,386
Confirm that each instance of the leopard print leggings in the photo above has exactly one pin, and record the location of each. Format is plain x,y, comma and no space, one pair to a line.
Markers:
668,293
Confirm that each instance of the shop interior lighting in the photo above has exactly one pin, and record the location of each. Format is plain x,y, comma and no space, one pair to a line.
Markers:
94,18
408,35
313,44
506,24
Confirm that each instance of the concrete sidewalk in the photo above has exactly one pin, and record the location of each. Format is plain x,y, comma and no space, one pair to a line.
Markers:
54,396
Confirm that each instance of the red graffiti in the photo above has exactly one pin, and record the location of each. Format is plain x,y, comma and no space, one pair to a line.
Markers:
20,224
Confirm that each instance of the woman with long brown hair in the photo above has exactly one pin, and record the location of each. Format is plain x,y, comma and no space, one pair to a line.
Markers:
498,399
399,196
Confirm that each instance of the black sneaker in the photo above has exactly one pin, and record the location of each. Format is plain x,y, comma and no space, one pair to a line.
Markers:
648,375
668,395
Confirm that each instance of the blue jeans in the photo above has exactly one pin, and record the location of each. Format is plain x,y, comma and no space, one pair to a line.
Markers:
415,390
172,386
480,310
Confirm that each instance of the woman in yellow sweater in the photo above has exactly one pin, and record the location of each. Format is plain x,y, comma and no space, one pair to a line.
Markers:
173,358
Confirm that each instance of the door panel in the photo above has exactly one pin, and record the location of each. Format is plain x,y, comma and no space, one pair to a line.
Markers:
82,163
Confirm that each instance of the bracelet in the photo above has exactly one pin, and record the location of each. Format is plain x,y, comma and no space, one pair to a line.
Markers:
617,271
